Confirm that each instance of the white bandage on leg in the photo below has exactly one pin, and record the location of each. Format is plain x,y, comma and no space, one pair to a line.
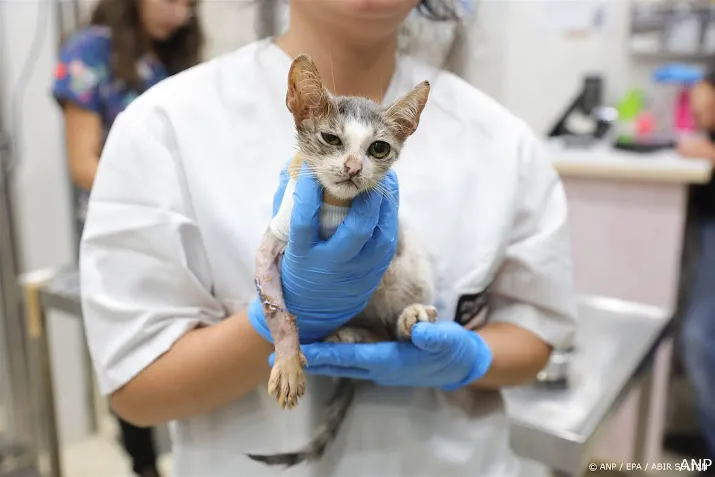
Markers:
280,225
331,216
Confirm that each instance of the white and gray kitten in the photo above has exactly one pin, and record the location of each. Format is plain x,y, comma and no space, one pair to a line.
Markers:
349,143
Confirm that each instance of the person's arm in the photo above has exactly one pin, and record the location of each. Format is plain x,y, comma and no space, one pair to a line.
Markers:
207,368
532,300
83,137
160,341
697,149
81,69
702,104
517,356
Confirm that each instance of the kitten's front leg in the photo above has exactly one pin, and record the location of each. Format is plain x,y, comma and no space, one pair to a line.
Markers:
287,380
412,315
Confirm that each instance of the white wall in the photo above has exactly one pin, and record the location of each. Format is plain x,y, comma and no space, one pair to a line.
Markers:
40,186
535,71
227,25
486,44
545,68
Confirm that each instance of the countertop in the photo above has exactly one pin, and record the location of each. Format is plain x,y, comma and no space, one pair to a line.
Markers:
604,162
615,342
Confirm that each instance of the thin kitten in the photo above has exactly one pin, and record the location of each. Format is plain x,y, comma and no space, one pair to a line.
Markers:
349,143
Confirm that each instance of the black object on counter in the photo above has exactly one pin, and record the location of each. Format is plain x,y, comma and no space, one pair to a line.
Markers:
587,102
644,146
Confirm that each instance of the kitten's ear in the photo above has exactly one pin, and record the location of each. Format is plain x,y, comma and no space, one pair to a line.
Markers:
405,113
307,97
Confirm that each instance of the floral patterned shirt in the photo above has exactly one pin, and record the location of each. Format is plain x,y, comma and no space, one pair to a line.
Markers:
83,77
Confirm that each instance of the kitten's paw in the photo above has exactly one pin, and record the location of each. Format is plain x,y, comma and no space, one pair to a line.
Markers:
412,315
287,381
352,335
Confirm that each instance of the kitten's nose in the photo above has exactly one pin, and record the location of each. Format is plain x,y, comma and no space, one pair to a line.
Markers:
353,166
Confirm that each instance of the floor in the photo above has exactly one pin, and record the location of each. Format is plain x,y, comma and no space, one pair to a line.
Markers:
102,456
99,457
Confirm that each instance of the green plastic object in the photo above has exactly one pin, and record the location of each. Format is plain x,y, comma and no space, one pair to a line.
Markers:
631,105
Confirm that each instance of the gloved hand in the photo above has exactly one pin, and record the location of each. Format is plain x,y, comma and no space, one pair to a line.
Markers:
326,283
441,355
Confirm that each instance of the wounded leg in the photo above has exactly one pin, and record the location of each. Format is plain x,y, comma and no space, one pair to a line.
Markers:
287,381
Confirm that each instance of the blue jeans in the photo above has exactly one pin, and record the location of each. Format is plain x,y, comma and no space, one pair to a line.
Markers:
698,334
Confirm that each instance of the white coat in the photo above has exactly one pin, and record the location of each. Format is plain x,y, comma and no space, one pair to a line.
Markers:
183,196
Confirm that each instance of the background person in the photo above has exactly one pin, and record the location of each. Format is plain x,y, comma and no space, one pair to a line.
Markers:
698,333
129,46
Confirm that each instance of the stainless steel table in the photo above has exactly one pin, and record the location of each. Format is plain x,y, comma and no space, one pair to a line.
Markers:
615,345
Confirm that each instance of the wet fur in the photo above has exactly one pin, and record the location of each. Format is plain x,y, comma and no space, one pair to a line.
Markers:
405,293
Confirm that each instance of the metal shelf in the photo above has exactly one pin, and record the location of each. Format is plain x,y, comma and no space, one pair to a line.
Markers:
665,56
653,23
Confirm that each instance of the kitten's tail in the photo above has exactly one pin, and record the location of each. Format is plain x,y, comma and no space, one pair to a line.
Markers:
337,409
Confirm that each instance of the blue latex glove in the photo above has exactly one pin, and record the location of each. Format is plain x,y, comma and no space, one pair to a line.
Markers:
441,355
677,73
326,283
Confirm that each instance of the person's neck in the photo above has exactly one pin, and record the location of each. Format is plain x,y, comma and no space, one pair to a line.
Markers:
347,69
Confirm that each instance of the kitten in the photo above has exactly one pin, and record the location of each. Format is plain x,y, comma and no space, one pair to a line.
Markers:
349,143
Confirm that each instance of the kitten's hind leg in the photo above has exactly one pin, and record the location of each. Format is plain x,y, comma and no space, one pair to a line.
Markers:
336,409
287,380
412,315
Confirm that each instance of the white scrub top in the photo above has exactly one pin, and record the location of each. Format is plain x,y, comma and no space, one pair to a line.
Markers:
183,196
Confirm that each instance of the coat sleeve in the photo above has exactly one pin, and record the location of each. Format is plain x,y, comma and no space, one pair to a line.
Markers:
145,275
534,286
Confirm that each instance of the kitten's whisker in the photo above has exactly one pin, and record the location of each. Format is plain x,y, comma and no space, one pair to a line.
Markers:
383,189
375,190
385,193
332,71
305,176
382,89
299,171
388,194
305,170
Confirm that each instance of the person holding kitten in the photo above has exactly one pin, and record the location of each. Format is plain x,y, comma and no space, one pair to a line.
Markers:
195,169
698,334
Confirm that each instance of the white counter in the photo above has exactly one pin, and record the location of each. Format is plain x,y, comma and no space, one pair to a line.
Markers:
604,162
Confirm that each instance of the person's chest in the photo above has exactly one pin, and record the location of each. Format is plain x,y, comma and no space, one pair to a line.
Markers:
456,194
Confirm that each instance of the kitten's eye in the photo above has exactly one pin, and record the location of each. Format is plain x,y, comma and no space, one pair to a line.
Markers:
379,149
331,139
